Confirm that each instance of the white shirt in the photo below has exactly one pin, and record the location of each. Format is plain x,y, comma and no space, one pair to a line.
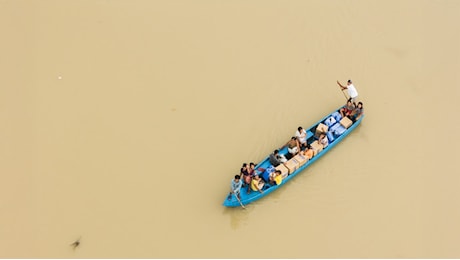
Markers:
293,150
352,91
302,136
325,142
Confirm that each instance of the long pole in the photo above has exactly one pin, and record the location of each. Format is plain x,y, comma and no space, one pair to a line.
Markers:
344,94
241,203
342,88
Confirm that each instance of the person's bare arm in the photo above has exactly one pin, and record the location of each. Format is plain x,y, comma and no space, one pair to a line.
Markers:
341,86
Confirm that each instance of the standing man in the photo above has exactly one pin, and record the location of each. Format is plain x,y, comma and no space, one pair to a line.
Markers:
352,93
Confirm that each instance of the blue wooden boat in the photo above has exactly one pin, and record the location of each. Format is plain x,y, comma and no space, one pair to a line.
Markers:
336,133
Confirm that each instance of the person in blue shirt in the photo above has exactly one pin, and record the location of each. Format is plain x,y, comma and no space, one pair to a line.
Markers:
235,187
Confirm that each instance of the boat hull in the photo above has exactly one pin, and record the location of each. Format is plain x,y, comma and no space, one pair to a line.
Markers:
253,196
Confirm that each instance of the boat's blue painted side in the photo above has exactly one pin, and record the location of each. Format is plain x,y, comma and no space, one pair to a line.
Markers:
253,196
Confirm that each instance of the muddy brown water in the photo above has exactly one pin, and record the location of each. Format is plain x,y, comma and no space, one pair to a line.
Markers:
123,122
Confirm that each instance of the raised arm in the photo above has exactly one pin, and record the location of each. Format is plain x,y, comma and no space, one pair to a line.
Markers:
343,87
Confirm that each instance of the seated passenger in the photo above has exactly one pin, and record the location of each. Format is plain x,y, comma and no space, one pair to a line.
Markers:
276,178
293,147
276,158
266,174
301,135
308,152
252,169
257,184
245,173
347,109
323,140
357,112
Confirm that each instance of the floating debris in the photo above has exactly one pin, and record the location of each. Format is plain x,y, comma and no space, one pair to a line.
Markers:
76,243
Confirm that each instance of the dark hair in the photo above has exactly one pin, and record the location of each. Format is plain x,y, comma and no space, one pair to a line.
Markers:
361,104
276,151
278,171
237,177
299,128
349,81
293,138
244,165
251,164
349,100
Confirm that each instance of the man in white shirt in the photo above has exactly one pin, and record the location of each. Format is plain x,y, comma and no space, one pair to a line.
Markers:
352,92
301,135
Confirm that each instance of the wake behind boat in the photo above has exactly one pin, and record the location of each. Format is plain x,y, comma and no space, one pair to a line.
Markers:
333,126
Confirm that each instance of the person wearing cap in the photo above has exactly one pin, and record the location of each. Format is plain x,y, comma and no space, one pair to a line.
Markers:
352,92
